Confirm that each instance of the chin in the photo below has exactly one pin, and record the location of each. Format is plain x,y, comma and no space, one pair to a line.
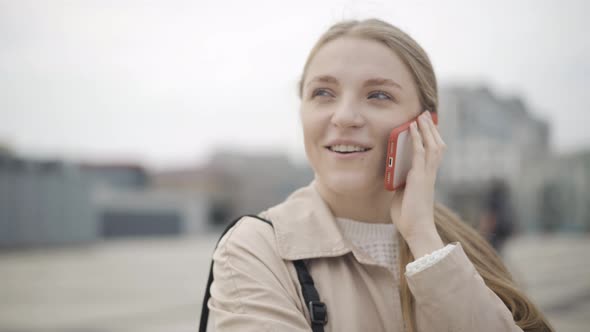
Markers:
352,183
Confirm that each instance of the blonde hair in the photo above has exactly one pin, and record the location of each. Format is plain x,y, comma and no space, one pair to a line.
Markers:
450,227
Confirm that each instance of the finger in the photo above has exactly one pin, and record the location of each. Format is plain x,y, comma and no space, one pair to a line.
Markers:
432,155
418,159
436,134
436,155
426,131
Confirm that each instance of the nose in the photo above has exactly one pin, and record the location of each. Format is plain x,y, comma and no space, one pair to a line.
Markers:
347,114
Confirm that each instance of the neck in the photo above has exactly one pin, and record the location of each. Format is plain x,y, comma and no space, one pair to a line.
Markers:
372,206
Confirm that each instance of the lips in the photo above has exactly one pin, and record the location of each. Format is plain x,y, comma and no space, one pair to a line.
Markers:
347,147
342,148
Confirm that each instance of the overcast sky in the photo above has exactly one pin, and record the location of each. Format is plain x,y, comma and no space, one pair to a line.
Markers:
168,82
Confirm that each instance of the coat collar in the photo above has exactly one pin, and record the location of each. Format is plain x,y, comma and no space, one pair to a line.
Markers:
305,228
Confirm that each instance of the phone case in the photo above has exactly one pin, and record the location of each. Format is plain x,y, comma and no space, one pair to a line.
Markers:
399,155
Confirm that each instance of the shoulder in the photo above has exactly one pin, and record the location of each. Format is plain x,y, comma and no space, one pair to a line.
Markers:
252,287
248,237
247,260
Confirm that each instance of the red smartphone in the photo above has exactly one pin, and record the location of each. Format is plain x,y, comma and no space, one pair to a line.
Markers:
399,154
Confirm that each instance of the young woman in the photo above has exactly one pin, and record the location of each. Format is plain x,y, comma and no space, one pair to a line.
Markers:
357,240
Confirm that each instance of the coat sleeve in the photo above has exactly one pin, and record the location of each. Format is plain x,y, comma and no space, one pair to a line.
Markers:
452,296
252,288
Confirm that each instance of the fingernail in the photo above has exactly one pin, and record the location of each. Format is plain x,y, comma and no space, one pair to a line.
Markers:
413,124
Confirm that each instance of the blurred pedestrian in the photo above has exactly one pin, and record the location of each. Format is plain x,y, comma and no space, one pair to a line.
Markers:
497,219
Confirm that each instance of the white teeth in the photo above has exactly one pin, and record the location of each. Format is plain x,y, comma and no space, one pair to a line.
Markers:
347,148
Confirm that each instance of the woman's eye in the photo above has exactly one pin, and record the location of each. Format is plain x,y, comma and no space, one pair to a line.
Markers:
320,92
381,95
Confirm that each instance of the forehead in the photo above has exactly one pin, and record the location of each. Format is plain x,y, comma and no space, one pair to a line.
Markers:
353,59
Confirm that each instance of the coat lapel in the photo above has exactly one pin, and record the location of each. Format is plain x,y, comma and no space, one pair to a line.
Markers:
305,227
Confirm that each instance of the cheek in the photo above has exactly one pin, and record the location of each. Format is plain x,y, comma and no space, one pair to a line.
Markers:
311,132
382,129
313,126
384,135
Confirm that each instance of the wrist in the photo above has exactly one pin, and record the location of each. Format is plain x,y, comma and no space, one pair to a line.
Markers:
424,243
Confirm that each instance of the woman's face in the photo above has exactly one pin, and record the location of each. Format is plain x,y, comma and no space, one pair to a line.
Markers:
355,92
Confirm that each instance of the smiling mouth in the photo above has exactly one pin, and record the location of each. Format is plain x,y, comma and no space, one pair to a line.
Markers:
347,149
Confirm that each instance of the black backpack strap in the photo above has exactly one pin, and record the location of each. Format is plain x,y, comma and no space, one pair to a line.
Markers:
318,310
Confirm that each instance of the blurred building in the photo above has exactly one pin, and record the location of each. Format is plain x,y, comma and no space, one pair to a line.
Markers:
561,188
488,137
239,183
127,204
148,212
116,175
44,203
47,202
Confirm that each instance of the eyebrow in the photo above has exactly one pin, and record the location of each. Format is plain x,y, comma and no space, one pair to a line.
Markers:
379,81
323,79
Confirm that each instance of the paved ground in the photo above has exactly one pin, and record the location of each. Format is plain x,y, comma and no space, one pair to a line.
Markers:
555,273
156,284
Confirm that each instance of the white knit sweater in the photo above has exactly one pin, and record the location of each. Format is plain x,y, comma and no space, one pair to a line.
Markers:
379,241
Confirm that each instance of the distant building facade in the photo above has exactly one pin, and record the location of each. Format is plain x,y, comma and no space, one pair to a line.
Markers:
239,183
45,202
149,212
488,138
561,193
116,175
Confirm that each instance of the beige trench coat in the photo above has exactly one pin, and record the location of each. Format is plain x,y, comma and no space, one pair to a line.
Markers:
256,286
